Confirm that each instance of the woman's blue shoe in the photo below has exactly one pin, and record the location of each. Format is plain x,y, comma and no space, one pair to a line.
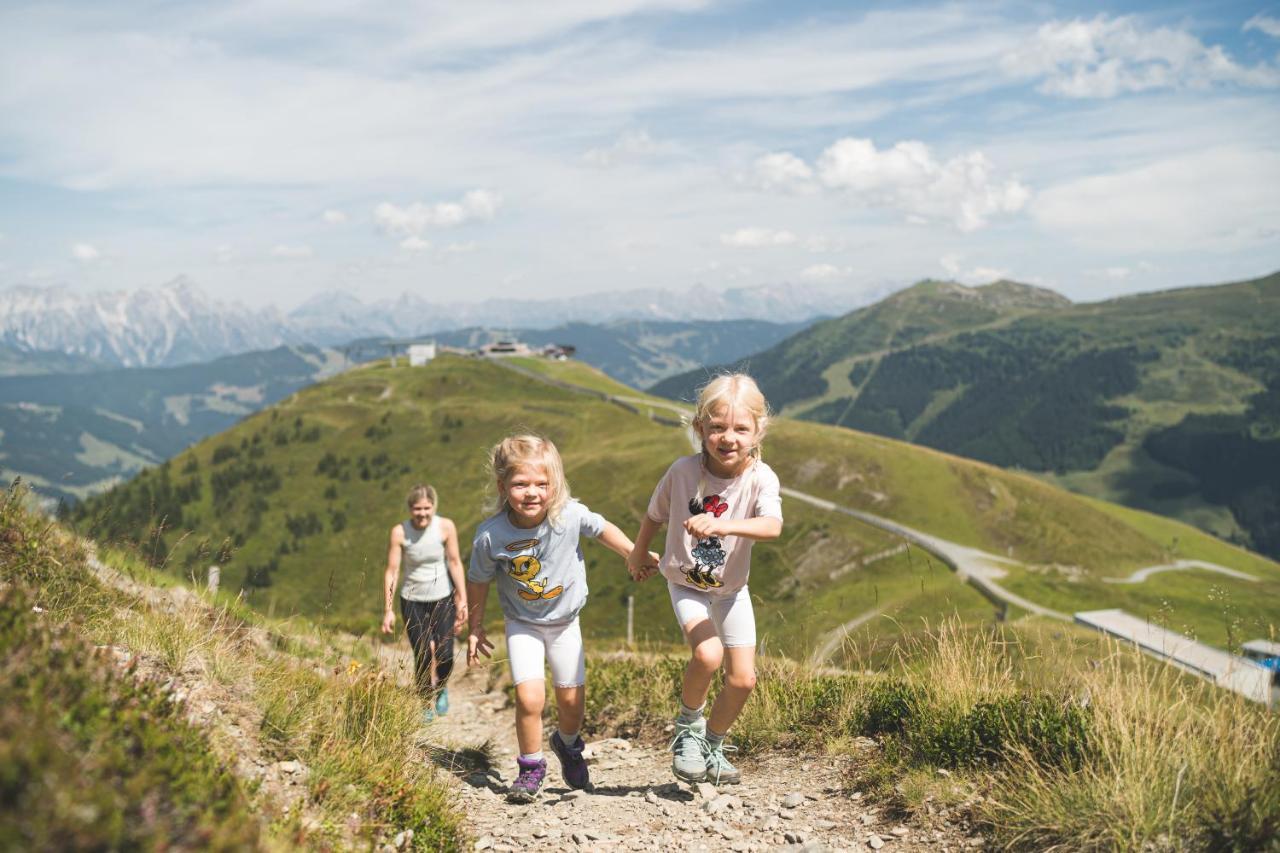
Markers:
442,702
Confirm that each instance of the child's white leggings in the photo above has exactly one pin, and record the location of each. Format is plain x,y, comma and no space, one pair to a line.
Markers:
730,612
531,647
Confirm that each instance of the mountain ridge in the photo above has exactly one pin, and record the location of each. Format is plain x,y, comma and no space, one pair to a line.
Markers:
179,323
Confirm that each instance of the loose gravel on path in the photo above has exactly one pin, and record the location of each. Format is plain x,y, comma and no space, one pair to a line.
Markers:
784,801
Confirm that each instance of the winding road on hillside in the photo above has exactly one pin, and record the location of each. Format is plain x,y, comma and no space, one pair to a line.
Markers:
1181,566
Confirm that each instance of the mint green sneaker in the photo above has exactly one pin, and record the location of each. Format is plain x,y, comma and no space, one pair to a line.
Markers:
442,703
690,747
719,770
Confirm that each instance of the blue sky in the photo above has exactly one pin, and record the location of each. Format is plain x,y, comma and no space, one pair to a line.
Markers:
274,149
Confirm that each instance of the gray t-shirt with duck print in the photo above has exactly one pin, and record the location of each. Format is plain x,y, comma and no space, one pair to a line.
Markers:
540,571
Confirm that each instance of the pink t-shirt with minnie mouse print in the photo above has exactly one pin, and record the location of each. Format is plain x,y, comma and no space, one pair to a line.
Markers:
717,565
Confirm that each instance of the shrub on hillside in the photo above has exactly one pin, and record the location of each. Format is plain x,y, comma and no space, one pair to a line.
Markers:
91,759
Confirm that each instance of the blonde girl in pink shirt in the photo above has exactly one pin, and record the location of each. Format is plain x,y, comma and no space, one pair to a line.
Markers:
715,504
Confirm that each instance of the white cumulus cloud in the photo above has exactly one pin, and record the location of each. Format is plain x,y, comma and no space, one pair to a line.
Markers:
414,244
758,238
283,250
413,220
1264,24
956,270
783,171
908,178
825,272
334,217
1106,56
85,252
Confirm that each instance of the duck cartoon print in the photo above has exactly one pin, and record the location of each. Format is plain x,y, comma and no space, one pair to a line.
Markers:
708,554
524,570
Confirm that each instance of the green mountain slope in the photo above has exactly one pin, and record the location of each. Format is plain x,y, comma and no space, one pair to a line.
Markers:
814,365
296,501
1163,401
75,434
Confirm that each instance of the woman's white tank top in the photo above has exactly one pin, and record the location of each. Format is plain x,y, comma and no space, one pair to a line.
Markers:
426,575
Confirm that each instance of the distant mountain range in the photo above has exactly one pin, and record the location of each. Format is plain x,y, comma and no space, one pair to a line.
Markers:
1165,401
180,324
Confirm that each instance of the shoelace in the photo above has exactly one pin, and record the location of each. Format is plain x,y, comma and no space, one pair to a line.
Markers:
531,776
574,752
700,740
717,756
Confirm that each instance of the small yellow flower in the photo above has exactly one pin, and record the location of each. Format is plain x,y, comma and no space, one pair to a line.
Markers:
352,667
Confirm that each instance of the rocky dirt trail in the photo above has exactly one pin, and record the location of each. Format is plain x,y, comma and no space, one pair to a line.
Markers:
784,802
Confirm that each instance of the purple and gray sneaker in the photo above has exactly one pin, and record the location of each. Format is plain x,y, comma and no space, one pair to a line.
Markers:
529,782
573,767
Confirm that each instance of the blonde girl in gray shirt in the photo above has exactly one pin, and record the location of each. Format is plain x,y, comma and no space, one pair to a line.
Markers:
530,548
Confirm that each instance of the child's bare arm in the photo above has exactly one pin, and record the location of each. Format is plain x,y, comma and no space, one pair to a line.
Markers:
477,643
615,540
759,528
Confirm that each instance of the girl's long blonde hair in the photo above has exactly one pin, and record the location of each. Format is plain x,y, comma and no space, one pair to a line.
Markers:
519,451
731,391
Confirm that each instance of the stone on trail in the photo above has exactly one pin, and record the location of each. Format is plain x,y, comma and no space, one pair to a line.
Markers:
791,801
900,831
483,843
651,798
707,791
875,842
794,837
717,805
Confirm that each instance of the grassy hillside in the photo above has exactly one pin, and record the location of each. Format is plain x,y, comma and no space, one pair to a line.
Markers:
1165,401
296,502
140,715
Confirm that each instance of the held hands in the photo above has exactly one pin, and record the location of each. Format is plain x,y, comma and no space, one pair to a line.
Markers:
389,622
478,644
642,565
